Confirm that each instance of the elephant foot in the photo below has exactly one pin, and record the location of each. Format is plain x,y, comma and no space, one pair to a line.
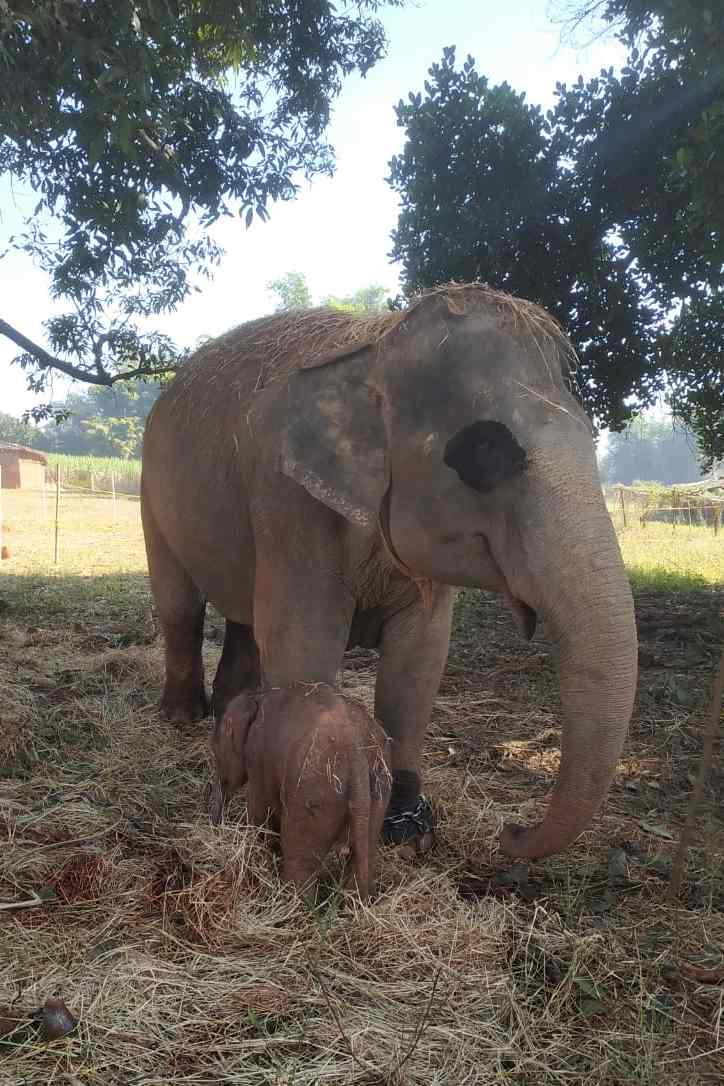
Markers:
184,709
409,820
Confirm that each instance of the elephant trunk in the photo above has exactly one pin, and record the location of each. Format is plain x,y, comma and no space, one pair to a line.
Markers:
585,597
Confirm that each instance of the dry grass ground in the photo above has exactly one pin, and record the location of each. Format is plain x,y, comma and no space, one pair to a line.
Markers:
184,959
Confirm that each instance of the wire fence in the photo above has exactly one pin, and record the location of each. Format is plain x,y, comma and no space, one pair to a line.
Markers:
67,526
631,506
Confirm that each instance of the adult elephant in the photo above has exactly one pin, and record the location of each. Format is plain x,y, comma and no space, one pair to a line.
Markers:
323,478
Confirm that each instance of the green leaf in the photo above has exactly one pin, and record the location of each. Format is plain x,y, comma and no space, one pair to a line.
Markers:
122,131
658,829
586,985
590,1008
96,148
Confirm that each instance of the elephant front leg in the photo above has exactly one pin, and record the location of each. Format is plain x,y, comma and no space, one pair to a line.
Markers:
413,652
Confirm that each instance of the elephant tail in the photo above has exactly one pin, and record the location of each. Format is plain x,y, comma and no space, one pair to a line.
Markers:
360,803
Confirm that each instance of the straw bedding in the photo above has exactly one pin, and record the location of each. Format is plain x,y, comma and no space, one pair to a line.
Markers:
186,961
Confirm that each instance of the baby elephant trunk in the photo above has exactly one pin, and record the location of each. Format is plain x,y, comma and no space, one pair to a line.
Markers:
360,804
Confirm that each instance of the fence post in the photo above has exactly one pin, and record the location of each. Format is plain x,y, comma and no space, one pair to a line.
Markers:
717,518
623,505
1,513
113,492
57,511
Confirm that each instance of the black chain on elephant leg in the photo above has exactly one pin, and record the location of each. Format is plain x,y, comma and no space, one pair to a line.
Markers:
401,826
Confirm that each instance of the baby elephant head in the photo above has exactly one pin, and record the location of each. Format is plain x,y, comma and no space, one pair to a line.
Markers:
228,743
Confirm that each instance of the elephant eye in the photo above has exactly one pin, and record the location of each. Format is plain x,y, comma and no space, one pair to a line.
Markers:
484,454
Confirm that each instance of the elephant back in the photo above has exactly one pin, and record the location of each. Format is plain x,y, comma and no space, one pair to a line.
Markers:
251,356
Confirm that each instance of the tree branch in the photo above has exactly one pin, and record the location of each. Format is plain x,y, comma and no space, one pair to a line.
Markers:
47,361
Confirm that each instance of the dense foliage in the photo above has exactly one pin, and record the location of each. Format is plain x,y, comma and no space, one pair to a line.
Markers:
96,422
292,292
139,123
371,299
17,431
603,210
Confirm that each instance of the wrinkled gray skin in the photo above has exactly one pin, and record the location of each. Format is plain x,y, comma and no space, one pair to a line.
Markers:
317,767
454,438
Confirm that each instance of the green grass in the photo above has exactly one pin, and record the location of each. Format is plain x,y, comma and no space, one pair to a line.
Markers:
661,556
92,542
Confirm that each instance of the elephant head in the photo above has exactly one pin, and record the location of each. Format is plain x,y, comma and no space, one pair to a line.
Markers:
228,745
458,434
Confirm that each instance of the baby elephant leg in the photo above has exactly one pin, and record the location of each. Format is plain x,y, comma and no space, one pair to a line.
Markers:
378,810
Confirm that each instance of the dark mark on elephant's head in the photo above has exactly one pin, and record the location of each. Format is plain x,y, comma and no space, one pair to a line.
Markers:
484,454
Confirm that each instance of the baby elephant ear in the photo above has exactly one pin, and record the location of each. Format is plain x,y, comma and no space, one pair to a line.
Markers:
484,454
228,743
240,714
335,443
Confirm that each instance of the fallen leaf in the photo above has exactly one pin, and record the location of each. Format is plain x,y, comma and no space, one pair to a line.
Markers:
660,866
589,1008
658,829
659,1005
617,867
602,904
706,966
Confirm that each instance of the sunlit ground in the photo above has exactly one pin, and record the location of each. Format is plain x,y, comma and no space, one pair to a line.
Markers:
97,537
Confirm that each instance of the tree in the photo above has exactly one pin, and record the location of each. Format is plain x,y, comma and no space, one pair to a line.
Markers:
292,291
122,436
18,432
653,450
676,48
487,192
122,117
371,299
577,211
656,165
103,421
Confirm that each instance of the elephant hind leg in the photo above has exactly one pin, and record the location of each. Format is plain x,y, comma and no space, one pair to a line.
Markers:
239,667
180,608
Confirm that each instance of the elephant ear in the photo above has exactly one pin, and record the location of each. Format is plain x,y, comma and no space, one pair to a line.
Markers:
335,443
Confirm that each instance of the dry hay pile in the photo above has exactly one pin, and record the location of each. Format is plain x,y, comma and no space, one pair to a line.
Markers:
186,961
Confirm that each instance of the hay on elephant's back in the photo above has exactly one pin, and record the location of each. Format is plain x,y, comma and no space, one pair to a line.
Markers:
282,343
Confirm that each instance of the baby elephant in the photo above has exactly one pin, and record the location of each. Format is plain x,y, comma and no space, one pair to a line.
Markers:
317,763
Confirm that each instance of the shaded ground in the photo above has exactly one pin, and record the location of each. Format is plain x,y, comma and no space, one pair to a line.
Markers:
185,960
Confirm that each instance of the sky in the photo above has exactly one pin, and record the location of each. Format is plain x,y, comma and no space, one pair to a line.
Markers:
337,230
